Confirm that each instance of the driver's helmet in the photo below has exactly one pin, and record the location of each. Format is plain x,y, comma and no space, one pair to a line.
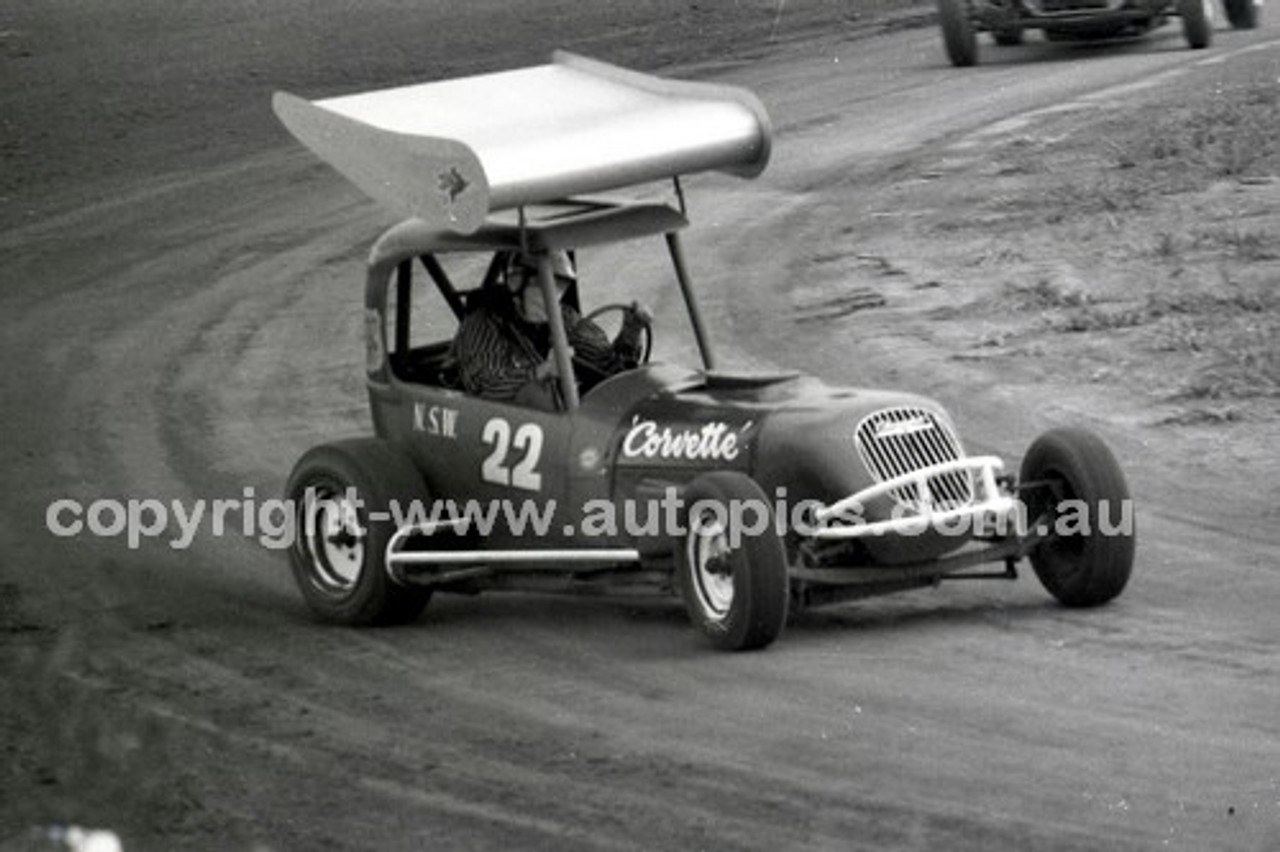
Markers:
525,271
526,291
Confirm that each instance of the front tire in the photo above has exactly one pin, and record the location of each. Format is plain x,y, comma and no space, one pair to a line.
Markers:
733,579
1071,483
957,32
1197,28
343,496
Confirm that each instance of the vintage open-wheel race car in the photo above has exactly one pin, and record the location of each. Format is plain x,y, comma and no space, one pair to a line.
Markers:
1070,20
748,494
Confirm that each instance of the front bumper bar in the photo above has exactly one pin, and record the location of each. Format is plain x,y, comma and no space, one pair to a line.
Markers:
991,507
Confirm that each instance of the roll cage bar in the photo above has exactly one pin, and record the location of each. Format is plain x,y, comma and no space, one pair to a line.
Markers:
569,224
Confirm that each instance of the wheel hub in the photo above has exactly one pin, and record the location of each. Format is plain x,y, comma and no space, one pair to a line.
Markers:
335,542
713,570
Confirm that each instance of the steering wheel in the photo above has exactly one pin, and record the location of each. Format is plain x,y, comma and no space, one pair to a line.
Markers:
646,337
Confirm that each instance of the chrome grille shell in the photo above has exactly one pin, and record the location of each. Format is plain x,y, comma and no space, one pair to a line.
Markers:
905,439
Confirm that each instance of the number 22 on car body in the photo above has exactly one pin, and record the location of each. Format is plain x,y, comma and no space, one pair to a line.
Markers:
513,455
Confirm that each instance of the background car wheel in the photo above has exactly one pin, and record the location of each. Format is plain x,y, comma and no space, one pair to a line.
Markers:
1089,562
342,495
1242,14
733,579
957,32
1197,26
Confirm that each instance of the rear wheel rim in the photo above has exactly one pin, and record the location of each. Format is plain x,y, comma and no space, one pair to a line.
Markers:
335,541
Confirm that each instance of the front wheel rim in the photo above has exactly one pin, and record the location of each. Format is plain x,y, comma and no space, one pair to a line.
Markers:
708,550
1063,554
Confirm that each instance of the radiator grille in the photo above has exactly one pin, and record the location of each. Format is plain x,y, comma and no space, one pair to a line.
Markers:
894,441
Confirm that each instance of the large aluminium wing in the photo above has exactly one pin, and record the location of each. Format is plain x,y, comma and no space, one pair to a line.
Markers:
452,151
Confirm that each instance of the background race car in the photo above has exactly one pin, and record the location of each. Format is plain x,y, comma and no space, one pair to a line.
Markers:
1064,20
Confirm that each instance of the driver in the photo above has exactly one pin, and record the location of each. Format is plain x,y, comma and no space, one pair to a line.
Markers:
503,346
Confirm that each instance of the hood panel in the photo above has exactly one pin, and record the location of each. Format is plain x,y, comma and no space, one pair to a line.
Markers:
795,436
783,430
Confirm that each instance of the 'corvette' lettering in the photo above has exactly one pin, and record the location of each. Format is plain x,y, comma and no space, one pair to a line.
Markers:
714,441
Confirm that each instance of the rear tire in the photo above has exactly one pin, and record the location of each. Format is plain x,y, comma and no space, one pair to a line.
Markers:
957,32
338,554
1197,28
1242,14
733,581
1068,472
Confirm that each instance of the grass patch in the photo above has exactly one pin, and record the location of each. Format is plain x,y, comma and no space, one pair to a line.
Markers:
1230,334
1044,294
1138,158
1218,340
1229,134
1240,359
1138,241
1189,183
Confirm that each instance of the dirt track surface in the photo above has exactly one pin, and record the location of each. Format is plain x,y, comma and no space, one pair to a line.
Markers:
182,321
